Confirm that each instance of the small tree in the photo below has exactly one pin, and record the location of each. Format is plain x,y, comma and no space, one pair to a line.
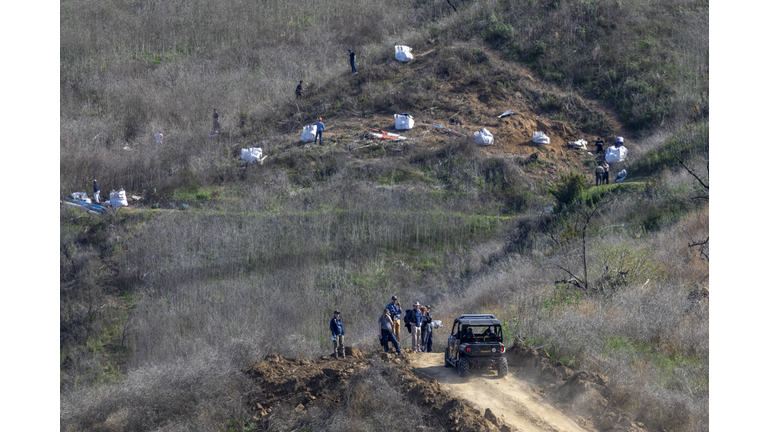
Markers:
568,190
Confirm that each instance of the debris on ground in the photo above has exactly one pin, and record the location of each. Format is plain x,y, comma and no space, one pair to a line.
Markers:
403,121
253,154
382,135
620,176
403,53
308,133
540,138
118,199
578,145
483,137
448,130
507,113
616,154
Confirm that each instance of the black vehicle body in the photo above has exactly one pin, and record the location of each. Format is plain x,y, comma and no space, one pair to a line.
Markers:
476,341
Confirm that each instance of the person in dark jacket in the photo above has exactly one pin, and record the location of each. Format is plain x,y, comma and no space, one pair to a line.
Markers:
606,172
599,145
96,192
415,319
299,90
385,332
320,128
426,330
216,124
352,58
394,313
337,335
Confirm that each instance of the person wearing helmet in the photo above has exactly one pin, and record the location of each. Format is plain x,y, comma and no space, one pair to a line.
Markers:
320,129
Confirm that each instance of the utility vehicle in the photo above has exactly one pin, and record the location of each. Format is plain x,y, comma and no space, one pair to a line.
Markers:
476,341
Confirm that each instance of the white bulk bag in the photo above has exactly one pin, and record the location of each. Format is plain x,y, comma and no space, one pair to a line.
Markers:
82,196
250,155
403,121
118,199
615,154
483,137
403,53
308,134
540,138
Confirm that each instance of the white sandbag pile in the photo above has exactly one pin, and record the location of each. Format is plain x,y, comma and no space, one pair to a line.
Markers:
615,154
251,155
540,138
483,137
308,134
403,53
403,121
118,199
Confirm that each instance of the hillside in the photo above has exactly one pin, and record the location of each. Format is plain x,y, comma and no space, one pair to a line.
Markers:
215,317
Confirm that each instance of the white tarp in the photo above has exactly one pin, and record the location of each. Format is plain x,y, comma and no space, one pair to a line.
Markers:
403,121
580,144
621,176
308,134
118,199
250,155
483,137
403,53
615,154
540,138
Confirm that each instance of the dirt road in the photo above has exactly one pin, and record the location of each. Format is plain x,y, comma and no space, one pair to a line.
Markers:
517,401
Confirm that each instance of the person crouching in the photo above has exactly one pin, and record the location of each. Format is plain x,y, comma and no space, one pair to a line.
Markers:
385,332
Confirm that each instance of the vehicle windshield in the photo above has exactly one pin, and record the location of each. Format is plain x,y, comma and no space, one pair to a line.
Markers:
490,333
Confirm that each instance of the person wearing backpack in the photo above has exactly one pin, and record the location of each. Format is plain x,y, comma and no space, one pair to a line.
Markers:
337,335
415,320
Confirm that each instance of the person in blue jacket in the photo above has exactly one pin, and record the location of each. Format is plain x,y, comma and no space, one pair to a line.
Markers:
337,335
415,318
394,313
96,192
320,129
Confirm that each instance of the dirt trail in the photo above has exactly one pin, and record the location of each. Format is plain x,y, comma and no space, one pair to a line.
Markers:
517,401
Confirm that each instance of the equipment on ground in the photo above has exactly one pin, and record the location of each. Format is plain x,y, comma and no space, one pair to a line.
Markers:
449,130
308,133
483,137
476,341
616,154
403,53
540,138
403,121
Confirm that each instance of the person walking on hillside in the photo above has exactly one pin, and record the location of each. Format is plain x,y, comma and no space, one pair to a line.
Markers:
159,137
385,332
320,129
96,192
599,171
216,124
415,319
352,58
426,330
299,90
394,313
337,335
599,145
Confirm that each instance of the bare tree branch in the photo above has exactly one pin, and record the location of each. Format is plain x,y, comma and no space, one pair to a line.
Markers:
454,7
680,161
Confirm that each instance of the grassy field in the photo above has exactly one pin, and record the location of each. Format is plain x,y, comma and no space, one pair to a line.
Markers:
158,307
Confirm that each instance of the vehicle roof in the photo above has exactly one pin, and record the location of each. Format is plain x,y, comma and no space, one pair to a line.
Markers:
478,319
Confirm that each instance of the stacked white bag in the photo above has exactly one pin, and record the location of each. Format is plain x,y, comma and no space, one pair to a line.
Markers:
540,138
118,199
403,121
250,155
483,137
403,53
308,134
615,154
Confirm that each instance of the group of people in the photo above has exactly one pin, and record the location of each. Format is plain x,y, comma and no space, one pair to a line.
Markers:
602,171
418,321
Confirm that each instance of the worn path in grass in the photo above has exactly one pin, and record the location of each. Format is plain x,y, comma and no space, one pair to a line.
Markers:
519,402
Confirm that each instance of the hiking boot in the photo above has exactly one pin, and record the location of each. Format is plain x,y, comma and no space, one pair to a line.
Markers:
336,356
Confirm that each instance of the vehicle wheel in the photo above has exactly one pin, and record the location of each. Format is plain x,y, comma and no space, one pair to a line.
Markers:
463,367
447,363
502,367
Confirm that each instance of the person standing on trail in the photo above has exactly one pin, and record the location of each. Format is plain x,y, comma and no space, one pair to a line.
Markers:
352,58
599,171
216,124
96,192
606,172
299,90
394,313
426,330
385,332
415,320
599,145
159,137
337,335
320,129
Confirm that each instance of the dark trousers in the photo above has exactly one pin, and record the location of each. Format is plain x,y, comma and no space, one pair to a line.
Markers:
320,136
386,337
338,346
606,180
426,338
598,178
354,70
599,149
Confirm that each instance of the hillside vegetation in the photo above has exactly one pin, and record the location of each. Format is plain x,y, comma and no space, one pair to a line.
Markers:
160,307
